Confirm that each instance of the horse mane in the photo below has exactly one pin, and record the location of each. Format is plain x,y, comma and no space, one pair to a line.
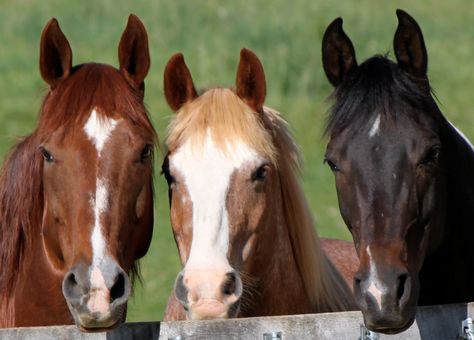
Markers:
325,287
378,86
21,202
267,132
90,86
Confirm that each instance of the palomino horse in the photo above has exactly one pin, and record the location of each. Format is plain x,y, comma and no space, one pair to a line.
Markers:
76,200
241,223
404,178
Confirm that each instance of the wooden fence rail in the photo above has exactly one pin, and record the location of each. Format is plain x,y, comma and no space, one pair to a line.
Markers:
441,322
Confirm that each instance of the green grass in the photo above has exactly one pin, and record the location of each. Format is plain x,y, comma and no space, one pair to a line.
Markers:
286,35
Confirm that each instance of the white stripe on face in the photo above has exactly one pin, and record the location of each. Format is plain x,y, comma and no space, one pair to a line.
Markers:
376,127
207,174
376,288
99,205
99,130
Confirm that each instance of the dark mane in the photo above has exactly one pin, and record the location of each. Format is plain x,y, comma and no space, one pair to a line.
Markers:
70,103
377,86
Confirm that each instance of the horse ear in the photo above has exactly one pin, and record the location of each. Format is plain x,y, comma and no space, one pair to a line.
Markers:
178,83
409,45
338,53
134,56
250,83
55,54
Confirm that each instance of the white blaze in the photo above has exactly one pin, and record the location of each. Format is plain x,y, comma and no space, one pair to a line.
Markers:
98,130
99,205
206,174
375,127
376,288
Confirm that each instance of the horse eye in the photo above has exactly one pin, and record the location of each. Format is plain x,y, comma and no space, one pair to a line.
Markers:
146,153
48,157
431,156
260,174
332,166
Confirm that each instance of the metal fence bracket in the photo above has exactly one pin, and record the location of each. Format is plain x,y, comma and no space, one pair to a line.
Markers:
272,336
366,334
467,329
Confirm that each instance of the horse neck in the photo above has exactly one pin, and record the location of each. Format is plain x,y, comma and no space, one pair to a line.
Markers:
454,257
459,169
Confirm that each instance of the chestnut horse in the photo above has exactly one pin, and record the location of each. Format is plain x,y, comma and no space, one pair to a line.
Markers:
76,200
404,177
243,228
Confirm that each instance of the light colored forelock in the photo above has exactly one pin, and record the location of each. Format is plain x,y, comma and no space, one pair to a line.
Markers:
229,120
206,174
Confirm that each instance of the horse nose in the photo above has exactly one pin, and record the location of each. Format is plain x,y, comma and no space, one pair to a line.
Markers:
206,294
97,295
384,299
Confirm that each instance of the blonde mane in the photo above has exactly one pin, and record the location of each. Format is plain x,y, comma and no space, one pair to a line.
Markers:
231,119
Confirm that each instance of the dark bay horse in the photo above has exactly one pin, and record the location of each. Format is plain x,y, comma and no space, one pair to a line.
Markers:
404,177
243,228
76,200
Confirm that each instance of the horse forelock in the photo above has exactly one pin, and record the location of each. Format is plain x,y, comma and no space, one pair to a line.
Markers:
378,87
220,112
90,87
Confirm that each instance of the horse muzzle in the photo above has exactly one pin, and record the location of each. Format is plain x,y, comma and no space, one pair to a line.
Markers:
388,302
97,295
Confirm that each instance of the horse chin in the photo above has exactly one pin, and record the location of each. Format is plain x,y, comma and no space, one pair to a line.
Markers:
96,322
209,309
392,330
391,326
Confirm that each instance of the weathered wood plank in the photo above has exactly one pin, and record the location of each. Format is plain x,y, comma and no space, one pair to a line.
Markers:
434,322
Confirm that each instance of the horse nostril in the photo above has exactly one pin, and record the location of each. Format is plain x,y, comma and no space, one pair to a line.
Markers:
230,284
357,281
118,289
402,281
72,288
180,290
71,280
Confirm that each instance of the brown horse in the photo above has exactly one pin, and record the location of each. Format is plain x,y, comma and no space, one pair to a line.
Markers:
243,228
404,177
76,200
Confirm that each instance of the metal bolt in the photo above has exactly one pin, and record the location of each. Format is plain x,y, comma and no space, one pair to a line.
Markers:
272,336
366,334
467,329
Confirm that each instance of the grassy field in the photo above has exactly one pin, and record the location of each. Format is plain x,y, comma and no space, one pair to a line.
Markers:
286,35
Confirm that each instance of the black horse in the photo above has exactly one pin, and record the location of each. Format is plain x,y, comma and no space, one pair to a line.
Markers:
404,178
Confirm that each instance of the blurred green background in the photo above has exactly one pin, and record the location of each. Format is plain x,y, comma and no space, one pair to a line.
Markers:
286,35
